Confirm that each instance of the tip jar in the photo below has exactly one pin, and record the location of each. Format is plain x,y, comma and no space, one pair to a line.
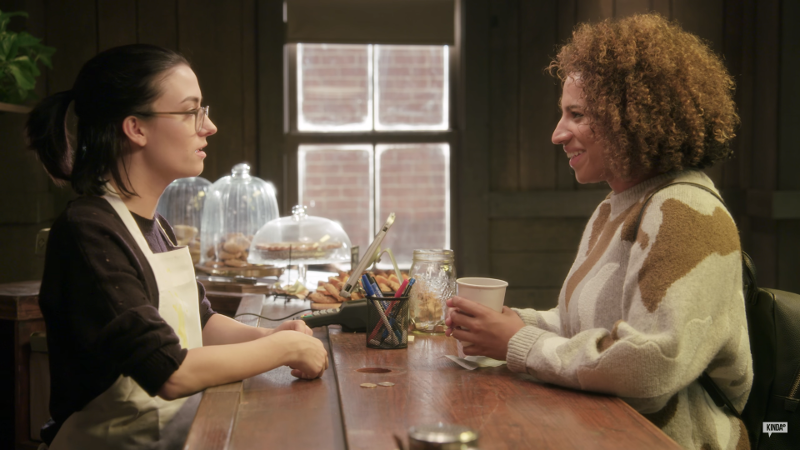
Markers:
435,274
236,206
182,205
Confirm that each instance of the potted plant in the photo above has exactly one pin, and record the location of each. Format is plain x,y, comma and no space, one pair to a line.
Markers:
20,54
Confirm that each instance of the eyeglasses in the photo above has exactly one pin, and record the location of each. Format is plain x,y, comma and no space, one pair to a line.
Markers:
199,114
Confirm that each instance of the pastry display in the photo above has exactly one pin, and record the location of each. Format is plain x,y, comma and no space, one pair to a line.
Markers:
300,239
294,250
188,235
328,291
231,251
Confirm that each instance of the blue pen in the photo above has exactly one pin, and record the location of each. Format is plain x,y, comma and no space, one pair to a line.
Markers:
367,286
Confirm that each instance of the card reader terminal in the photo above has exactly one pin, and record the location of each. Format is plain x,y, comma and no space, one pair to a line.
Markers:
352,316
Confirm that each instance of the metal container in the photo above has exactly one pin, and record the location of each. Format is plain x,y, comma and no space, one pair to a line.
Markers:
442,436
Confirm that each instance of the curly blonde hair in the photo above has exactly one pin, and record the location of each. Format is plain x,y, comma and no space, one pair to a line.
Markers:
658,97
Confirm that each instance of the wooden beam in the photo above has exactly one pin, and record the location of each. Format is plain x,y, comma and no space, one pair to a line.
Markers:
773,204
471,183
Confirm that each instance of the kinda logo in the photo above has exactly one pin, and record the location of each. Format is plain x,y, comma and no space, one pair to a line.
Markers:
775,427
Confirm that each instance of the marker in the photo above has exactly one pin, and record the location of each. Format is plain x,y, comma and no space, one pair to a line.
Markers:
401,289
408,288
374,284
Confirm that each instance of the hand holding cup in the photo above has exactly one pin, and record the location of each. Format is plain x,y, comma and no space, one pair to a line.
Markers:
478,319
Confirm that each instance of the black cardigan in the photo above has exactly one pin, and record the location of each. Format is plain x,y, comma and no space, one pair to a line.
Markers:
100,305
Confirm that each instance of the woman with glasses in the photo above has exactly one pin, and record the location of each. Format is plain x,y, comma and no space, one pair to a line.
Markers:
129,330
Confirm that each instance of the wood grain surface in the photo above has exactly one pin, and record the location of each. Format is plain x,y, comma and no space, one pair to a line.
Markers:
278,410
509,410
273,409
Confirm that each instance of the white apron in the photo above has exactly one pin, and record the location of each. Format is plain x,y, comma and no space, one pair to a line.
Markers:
125,416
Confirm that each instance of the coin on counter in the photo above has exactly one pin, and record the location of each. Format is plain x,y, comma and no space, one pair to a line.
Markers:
368,385
386,384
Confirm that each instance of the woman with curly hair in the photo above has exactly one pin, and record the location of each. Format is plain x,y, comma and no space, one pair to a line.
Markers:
654,297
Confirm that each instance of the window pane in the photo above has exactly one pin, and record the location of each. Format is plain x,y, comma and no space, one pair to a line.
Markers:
334,88
411,87
414,182
335,182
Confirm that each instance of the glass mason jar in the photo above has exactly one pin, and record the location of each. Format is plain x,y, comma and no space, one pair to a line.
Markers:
435,273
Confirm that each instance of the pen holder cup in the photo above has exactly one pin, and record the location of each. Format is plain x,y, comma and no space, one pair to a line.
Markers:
387,322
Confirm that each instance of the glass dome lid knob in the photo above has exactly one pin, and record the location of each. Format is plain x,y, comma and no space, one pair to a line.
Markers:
299,212
241,170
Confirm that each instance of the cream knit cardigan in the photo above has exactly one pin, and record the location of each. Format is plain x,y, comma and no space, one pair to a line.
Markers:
642,315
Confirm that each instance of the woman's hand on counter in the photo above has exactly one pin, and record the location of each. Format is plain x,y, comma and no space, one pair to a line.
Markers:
489,331
213,365
294,325
304,354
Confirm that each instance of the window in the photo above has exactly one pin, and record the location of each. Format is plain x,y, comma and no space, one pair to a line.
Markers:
370,128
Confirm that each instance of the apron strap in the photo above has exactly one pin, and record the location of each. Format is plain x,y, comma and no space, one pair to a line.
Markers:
127,218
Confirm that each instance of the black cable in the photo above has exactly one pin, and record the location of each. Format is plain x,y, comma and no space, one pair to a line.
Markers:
274,320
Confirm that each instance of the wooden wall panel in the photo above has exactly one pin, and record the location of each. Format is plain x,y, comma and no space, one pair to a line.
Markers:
594,10
504,106
789,113
538,102
472,183
248,85
788,154
536,235
209,35
116,23
157,23
75,40
624,8
703,18
663,7
567,15
764,168
270,95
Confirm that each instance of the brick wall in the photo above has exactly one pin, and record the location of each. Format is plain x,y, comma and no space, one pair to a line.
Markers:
410,87
335,86
336,185
413,183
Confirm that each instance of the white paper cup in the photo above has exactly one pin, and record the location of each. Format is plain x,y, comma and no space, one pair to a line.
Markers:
489,292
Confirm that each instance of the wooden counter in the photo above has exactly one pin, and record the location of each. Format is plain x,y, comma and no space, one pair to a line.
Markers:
508,410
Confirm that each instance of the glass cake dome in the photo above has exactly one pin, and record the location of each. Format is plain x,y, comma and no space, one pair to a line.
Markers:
236,207
300,239
182,205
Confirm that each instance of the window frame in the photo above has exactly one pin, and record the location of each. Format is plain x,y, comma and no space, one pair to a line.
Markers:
294,138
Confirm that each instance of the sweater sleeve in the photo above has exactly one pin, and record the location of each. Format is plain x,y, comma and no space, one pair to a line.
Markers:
547,320
683,313
111,314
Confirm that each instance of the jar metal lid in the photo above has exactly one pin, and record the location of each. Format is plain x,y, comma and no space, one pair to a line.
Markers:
442,433
433,254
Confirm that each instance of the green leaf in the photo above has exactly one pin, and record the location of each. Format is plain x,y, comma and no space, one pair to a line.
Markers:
4,18
24,81
26,40
5,45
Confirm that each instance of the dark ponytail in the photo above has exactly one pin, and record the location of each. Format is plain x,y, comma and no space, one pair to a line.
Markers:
115,84
47,135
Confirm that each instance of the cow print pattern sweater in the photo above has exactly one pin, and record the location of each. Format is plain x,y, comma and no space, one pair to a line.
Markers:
644,312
